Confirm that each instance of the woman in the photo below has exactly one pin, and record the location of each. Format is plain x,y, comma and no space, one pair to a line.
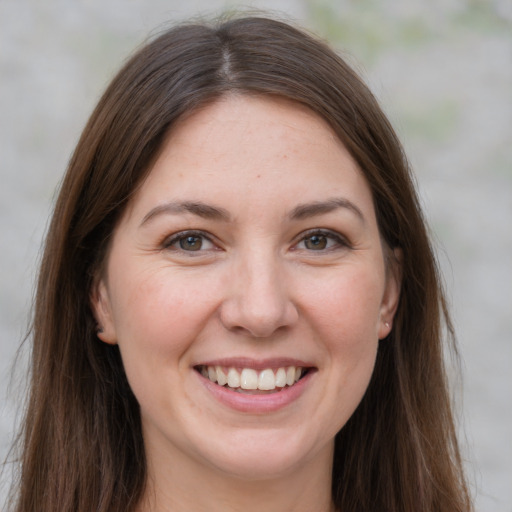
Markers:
238,306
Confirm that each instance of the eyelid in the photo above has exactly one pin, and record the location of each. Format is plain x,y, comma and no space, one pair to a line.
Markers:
170,240
341,240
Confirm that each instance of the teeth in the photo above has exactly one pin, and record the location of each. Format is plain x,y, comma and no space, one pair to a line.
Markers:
233,378
249,379
281,378
290,375
266,380
222,378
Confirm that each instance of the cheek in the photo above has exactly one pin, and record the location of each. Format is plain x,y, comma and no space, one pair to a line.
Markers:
346,323
158,316
347,306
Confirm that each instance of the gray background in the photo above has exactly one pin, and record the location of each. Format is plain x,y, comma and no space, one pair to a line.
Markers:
442,70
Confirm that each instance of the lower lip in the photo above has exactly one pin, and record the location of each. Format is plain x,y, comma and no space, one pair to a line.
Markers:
257,403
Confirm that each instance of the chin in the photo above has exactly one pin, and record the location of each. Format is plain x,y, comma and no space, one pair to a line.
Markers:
263,456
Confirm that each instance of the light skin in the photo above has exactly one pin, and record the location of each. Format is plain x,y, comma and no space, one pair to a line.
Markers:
254,242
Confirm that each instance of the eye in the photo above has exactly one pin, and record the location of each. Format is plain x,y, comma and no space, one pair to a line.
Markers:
189,241
321,241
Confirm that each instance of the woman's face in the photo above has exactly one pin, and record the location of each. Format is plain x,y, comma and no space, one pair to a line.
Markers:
246,288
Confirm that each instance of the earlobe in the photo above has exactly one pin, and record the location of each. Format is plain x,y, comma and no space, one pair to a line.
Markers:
391,296
101,307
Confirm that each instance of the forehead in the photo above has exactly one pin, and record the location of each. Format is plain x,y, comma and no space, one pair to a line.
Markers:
249,122
244,149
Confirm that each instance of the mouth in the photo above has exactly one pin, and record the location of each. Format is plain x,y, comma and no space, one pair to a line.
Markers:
251,381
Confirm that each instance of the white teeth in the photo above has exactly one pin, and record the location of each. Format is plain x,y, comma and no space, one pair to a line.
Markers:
250,379
222,378
281,378
290,375
233,378
266,380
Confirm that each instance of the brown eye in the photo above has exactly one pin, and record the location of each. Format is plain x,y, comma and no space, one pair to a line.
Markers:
191,243
316,242
321,241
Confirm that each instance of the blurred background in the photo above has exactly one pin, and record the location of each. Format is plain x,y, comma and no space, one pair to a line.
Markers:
442,71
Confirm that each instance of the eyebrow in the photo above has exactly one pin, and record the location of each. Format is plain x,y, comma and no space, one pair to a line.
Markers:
198,208
304,211
206,211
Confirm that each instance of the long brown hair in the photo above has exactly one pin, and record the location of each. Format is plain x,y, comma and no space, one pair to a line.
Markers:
82,446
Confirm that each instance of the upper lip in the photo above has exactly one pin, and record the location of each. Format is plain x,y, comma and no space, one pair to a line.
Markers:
255,364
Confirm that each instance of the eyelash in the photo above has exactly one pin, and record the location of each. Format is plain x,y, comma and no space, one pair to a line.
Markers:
183,235
339,241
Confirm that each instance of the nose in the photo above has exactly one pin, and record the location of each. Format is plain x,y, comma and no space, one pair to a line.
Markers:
258,302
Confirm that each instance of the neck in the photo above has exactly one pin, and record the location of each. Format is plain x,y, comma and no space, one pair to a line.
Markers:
185,485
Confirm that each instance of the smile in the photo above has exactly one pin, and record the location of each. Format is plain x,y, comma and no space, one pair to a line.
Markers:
251,381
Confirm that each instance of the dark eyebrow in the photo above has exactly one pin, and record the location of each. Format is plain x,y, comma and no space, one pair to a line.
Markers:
303,211
195,207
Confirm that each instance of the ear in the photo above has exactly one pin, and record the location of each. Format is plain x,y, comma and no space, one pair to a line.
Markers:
391,295
102,311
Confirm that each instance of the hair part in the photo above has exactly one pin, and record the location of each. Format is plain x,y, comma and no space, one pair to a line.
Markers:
82,446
